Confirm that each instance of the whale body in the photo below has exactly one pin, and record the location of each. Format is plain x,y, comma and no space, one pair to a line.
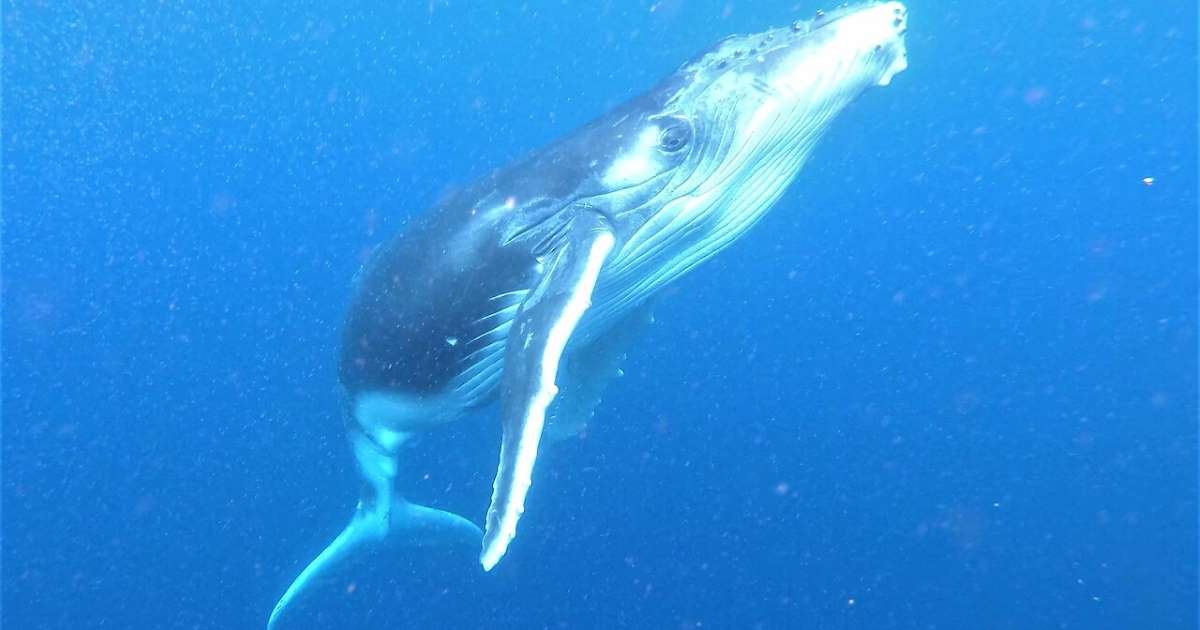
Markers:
528,284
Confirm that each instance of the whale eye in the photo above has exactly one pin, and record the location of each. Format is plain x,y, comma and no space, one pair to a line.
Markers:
675,136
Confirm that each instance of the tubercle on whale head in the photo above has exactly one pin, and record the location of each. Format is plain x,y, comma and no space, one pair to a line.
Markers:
872,33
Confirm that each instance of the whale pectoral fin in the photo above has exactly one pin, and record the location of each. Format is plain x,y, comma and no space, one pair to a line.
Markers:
587,371
535,347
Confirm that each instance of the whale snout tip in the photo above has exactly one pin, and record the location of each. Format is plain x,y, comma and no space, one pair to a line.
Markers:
888,21
899,17
895,17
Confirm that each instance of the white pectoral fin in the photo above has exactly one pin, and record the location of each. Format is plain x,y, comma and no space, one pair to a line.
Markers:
536,343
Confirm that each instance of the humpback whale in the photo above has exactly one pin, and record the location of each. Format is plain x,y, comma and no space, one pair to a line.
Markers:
526,286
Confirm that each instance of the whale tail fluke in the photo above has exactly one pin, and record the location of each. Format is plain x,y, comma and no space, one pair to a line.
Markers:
382,519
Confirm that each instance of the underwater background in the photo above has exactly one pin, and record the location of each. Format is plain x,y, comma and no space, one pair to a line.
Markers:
950,381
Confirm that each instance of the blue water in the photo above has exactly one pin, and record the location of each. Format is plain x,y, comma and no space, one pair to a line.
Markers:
950,382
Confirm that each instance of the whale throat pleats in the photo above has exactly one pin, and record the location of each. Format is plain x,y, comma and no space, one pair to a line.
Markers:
536,342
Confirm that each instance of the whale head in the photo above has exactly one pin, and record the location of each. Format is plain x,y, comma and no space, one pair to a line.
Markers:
728,132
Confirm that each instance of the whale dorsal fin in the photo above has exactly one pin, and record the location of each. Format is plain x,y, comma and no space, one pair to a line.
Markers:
535,347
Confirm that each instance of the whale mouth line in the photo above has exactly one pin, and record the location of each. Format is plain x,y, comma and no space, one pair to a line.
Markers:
587,203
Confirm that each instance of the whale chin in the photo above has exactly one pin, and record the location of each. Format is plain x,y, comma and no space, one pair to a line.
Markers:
899,65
